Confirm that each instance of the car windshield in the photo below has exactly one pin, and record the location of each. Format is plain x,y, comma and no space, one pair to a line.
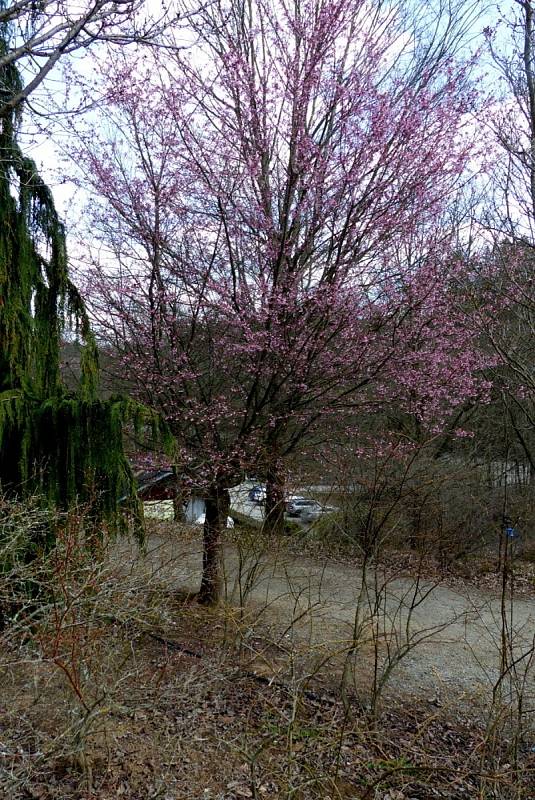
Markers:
304,503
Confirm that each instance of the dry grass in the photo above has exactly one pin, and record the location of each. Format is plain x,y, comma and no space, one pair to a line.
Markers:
116,685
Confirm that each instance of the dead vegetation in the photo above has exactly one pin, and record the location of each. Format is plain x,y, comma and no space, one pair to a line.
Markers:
115,684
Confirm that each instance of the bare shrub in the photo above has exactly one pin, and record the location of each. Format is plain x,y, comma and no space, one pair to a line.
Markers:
74,616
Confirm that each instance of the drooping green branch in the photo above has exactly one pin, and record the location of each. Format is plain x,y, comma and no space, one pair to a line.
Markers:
67,447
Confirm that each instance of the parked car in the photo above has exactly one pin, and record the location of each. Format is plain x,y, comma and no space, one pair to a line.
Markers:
257,494
304,508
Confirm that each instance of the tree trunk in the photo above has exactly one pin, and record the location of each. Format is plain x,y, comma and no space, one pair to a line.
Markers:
275,503
217,505
180,499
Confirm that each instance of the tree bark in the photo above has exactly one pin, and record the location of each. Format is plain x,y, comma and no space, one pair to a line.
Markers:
530,83
275,502
217,505
180,499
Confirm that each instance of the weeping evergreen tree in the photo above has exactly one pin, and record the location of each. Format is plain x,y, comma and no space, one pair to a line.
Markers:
65,447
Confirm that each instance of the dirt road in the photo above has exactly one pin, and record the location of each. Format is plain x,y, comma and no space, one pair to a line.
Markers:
456,633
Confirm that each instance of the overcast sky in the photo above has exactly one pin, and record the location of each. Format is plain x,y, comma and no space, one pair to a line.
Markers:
49,150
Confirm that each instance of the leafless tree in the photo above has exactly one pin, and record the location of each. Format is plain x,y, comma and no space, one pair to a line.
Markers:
35,36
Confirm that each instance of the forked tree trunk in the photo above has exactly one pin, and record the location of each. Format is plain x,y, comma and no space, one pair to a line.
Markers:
217,505
275,503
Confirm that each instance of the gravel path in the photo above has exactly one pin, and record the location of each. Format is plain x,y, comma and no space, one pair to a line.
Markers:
458,630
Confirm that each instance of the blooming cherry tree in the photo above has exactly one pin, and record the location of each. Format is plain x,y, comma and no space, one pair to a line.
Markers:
270,255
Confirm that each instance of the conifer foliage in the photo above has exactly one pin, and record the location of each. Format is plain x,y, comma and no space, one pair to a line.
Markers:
67,447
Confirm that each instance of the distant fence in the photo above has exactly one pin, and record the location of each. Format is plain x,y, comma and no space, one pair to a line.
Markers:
509,473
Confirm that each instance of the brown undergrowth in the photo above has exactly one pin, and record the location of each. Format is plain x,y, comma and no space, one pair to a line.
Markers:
116,685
